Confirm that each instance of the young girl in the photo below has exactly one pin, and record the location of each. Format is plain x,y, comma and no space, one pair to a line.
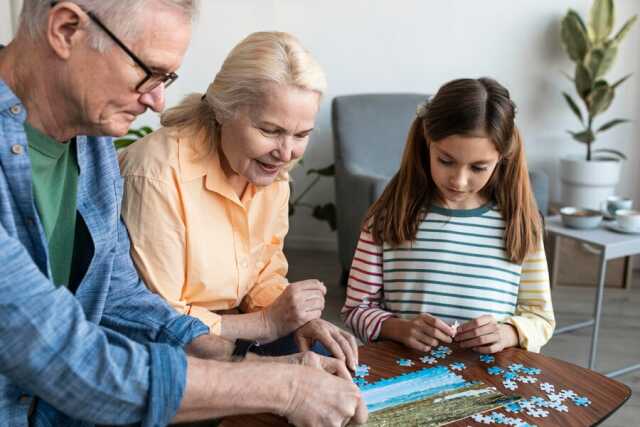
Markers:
456,237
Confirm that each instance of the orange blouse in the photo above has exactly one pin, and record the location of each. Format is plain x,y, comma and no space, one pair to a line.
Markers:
193,240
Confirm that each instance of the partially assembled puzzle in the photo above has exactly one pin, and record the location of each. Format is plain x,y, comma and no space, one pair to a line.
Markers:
438,395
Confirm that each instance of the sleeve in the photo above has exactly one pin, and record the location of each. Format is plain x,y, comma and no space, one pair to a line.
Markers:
96,374
131,308
534,319
362,310
272,279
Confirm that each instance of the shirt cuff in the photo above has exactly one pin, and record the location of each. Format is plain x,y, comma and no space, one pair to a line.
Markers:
181,331
212,320
262,296
168,377
524,334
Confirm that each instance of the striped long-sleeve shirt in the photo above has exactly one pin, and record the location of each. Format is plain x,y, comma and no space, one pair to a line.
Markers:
456,269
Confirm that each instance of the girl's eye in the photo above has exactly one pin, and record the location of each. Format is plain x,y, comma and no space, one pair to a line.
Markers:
478,168
445,161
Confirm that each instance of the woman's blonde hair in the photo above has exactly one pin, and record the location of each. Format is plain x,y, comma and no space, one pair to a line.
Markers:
469,107
258,60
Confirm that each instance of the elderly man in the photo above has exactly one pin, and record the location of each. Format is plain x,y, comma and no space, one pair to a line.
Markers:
82,341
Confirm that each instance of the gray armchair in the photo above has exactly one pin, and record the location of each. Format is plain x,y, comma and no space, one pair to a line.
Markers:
369,132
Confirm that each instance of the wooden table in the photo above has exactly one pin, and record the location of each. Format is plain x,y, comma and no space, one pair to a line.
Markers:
606,394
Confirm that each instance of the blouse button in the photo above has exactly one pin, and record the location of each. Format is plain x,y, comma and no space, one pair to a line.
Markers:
244,263
17,149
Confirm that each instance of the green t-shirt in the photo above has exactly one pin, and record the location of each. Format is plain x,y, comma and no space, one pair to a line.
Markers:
55,186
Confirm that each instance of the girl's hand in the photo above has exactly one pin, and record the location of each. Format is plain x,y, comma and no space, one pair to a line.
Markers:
486,335
421,333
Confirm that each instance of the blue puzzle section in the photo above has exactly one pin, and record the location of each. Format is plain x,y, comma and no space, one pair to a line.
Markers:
410,387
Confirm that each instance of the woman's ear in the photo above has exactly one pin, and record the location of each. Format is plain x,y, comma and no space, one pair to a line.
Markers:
66,28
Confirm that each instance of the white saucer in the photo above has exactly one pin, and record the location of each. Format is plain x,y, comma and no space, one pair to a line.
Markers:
614,226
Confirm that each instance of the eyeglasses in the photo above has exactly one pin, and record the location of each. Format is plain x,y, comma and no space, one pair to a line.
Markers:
152,79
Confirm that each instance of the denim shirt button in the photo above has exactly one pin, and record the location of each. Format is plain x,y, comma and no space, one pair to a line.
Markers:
24,398
15,110
17,149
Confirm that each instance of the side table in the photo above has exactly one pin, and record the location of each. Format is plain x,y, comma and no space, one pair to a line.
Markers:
611,245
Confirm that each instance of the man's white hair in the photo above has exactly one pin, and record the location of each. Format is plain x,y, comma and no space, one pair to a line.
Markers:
118,15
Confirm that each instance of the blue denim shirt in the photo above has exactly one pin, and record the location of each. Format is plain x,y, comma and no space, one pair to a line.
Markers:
110,354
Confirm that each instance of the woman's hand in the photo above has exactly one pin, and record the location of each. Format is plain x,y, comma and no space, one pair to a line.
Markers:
299,303
340,343
421,333
485,335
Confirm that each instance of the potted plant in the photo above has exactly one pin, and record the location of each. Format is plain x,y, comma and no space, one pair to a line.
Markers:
593,47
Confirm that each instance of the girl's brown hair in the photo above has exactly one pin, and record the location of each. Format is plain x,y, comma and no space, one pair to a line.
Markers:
467,107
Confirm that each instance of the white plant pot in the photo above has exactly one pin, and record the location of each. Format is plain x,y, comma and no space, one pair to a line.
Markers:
587,184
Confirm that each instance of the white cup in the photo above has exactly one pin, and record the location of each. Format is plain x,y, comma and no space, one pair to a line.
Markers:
613,203
628,219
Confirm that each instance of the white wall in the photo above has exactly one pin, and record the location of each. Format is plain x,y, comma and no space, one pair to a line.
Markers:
416,45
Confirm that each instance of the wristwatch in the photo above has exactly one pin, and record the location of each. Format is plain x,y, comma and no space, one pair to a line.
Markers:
241,348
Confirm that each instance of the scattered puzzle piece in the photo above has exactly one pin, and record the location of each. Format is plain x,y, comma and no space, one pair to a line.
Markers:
547,387
511,385
531,371
484,419
404,362
359,381
528,380
495,370
581,401
428,359
515,367
513,407
538,413
487,358
457,366
510,376
362,370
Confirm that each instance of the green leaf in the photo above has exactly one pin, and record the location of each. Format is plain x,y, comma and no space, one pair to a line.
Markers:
136,132
574,36
326,171
146,130
123,142
326,212
622,80
573,106
611,124
610,151
625,29
584,80
600,60
585,136
600,99
601,19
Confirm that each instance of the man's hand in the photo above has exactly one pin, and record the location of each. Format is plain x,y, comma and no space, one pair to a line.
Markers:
485,335
319,399
298,304
340,343
421,333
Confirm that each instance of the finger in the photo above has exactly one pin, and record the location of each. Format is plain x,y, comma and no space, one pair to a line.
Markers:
353,343
301,342
476,323
435,333
489,328
480,341
361,415
488,349
438,324
332,345
425,338
309,285
413,343
336,367
350,357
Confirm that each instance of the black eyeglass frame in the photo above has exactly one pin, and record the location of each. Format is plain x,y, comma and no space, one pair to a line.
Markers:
163,78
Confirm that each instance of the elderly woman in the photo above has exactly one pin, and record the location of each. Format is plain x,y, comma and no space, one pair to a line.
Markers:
206,199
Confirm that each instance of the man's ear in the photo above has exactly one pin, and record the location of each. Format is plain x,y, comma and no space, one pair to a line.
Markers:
67,27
